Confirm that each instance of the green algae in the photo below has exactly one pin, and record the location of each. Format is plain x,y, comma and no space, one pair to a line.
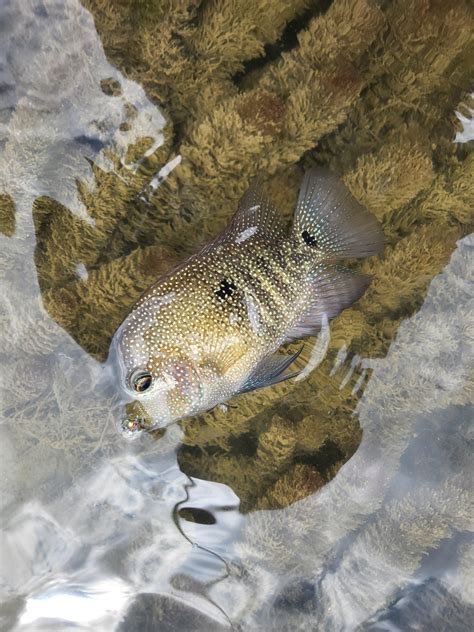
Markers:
369,89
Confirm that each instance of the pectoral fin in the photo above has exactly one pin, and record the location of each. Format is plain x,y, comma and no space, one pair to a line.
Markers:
270,371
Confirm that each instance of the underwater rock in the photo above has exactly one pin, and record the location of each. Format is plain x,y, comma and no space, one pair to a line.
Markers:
424,606
150,612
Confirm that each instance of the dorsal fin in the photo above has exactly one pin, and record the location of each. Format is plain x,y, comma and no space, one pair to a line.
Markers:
255,216
256,209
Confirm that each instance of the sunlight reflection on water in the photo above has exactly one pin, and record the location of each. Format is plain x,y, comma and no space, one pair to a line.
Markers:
113,536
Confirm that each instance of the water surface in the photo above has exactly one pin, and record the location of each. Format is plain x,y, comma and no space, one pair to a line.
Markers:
343,503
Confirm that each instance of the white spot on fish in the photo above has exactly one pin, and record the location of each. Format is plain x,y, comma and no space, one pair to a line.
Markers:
154,302
233,319
245,234
194,352
253,313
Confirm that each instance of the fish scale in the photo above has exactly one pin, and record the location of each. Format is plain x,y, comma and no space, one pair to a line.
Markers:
209,329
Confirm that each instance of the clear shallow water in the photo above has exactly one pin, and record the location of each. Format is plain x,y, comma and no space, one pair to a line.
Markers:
101,533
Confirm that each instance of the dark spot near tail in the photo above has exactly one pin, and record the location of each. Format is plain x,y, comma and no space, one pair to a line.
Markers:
309,239
227,288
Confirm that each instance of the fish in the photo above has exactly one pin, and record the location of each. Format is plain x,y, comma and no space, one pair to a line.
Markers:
212,327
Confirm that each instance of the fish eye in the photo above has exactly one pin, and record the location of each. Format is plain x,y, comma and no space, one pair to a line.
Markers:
141,381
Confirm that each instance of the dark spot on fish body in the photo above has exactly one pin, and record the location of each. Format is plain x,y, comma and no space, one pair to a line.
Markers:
226,289
309,239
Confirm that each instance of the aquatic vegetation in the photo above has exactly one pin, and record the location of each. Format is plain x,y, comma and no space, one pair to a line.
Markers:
370,89
7,215
375,101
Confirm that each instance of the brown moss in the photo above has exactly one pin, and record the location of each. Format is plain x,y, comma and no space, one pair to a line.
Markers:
276,445
402,278
413,75
264,112
203,44
391,177
369,89
7,215
111,87
297,483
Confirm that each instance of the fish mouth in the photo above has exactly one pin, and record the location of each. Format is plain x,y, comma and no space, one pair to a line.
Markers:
134,427
136,421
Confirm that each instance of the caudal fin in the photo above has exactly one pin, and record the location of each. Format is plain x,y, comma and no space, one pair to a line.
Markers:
329,219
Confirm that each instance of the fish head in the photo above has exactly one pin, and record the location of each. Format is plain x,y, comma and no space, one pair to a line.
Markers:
157,375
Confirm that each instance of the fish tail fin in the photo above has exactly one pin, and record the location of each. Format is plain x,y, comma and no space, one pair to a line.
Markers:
330,220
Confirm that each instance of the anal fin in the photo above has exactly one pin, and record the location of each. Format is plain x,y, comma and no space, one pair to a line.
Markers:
270,371
333,289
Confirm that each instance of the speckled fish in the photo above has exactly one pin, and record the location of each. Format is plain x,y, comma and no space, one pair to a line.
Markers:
211,328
